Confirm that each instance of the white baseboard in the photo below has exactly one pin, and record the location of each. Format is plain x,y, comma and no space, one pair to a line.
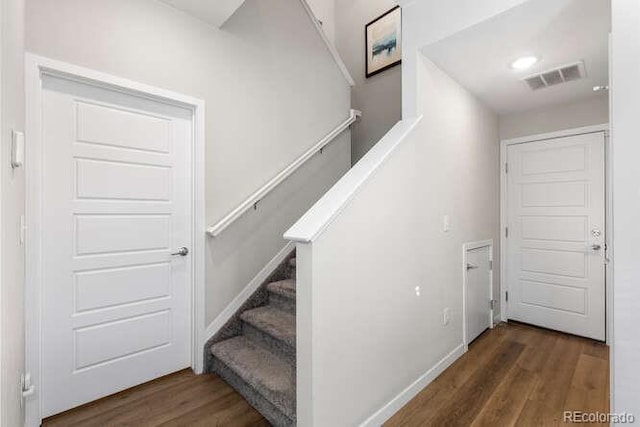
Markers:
388,410
244,295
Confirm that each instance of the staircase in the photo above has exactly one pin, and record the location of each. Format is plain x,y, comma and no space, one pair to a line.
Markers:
259,362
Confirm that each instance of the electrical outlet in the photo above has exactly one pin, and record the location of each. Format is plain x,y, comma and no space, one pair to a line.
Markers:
417,289
446,316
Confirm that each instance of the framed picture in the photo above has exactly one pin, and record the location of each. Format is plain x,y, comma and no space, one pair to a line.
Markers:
383,42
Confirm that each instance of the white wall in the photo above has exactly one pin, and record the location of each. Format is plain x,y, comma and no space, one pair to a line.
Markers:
427,21
585,112
378,97
325,11
626,201
271,89
12,203
363,333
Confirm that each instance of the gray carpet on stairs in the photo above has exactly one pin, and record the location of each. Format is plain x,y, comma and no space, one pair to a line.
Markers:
282,295
255,352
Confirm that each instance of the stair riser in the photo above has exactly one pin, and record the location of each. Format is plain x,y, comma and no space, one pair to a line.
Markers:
279,348
290,271
282,303
273,414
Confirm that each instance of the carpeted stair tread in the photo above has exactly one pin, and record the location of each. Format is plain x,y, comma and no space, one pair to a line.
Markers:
284,288
277,323
260,363
263,371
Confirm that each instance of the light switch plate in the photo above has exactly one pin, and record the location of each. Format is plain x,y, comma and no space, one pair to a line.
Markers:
17,149
446,316
446,224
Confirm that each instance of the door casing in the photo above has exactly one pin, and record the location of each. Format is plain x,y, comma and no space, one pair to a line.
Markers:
35,68
504,144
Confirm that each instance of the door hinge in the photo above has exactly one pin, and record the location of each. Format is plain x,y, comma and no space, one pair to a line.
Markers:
507,295
506,232
27,388
506,168
22,228
490,264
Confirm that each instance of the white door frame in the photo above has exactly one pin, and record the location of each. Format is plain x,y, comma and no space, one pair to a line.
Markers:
35,68
504,145
465,249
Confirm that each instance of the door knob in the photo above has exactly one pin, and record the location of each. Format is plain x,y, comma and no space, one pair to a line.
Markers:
471,266
596,247
181,252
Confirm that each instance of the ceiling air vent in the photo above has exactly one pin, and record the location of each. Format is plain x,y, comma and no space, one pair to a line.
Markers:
556,76
535,82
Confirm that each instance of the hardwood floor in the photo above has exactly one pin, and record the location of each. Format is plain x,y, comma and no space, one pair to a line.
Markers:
515,375
180,399
512,375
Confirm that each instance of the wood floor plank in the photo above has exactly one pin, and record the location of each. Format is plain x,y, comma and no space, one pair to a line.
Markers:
539,345
596,349
145,410
504,406
442,388
545,405
469,400
588,391
224,412
78,415
534,392
161,408
174,400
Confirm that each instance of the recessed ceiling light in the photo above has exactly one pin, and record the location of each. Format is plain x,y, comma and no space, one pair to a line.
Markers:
524,62
600,88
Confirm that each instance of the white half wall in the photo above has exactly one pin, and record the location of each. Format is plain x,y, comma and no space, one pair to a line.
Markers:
585,112
375,278
12,207
269,97
626,201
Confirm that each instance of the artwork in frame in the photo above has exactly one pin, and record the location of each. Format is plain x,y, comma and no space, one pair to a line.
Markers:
383,42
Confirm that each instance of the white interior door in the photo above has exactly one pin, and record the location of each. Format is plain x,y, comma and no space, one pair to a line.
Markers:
478,292
556,241
116,203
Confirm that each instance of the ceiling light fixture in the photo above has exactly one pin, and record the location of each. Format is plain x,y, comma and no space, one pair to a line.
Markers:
600,88
524,62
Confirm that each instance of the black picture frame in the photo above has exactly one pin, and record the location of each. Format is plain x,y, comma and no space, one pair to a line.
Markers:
397,47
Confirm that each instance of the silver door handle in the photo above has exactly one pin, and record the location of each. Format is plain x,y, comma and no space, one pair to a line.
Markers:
181,252
596,247
471,266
